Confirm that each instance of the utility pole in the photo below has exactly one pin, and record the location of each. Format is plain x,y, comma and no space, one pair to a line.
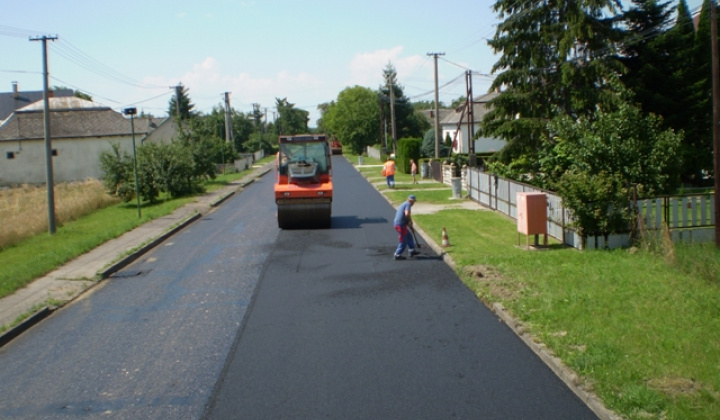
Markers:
716,117
437,106
228,121
391,87
48,144
265,122
177,100
472,158
132,112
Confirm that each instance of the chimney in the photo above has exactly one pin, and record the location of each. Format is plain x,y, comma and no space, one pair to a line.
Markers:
15,94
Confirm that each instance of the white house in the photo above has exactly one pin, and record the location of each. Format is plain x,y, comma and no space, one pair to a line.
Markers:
457,123
80,131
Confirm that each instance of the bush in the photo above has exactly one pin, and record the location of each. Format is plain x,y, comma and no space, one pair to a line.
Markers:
408,148
594,163
117,173
428,145
178,169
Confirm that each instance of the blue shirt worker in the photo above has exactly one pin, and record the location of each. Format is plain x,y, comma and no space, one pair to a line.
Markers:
403,222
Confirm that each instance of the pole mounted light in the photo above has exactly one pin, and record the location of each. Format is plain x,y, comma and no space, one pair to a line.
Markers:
132,112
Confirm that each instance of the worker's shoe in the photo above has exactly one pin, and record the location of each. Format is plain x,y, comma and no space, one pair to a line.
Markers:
399,257
414,253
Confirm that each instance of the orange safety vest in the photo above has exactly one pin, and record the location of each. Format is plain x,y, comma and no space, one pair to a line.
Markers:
389,168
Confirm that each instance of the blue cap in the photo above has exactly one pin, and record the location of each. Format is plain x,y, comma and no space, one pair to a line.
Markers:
411,197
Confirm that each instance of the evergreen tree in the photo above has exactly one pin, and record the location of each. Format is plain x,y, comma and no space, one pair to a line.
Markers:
647,57
182,99
407,122
699,145
554,59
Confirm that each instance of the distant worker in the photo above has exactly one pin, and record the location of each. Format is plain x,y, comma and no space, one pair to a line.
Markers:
403,225
389,172
413,170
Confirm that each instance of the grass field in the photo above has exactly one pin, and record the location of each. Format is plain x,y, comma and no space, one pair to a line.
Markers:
640,326
24,210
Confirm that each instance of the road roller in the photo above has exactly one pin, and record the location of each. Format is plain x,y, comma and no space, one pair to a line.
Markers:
304,189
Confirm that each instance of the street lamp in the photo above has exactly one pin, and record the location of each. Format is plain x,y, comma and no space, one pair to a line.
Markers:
131,112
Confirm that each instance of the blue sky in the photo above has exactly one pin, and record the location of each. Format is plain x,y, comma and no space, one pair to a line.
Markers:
129,53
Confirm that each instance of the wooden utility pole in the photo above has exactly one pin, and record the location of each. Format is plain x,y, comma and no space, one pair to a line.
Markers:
48,143
228,121
437,107
716,117
391,87
177,101
472,158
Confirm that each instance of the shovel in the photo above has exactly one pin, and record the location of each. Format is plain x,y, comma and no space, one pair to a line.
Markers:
417,244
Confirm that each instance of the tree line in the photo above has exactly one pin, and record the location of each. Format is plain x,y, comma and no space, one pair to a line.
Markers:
182,167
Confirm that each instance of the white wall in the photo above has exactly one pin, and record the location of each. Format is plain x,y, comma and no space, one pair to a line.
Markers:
482,144
76,160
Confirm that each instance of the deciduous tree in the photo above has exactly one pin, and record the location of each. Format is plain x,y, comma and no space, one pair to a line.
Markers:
290,120
353,118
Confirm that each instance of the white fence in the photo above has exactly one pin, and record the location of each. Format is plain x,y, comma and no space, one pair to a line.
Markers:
689,218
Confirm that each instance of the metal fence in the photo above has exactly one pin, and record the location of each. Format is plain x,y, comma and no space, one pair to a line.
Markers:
688,218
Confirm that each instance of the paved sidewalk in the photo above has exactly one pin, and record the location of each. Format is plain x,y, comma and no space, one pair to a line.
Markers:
72,279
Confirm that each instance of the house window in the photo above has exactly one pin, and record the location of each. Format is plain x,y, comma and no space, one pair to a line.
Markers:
11,155
54,152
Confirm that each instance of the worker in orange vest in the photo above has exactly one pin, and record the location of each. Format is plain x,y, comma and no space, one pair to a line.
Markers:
389,172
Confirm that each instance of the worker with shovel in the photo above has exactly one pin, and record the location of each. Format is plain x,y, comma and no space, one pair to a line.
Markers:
403,225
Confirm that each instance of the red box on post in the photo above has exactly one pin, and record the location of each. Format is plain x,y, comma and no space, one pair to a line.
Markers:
532,213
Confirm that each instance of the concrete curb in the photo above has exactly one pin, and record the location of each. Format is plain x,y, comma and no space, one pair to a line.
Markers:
25,325
125,261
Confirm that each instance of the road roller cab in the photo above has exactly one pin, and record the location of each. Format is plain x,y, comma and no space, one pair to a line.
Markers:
303,191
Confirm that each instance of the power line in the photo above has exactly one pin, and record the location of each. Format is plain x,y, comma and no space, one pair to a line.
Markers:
87,92
78,57
16,32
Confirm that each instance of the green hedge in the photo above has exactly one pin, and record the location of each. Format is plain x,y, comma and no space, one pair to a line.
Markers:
408,148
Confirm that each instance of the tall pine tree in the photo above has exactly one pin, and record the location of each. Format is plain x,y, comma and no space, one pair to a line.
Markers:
554,59
699,143
648,57
181,101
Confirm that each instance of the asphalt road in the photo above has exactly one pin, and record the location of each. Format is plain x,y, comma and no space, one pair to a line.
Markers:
340,330
151,341
233,318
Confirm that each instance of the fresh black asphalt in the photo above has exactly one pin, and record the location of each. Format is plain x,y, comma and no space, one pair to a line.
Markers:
338,329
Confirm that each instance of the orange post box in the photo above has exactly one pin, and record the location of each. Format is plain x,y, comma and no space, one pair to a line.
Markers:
532,214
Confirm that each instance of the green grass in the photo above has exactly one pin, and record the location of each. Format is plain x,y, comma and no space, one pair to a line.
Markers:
42,253
640,326
433,196
643,332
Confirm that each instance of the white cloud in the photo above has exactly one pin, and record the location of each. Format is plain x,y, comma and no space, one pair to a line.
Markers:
207,80
366,69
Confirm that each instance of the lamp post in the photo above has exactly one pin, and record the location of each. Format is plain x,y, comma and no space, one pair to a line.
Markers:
131,112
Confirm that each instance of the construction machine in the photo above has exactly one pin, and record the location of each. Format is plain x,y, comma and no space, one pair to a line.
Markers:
335,147
304,189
